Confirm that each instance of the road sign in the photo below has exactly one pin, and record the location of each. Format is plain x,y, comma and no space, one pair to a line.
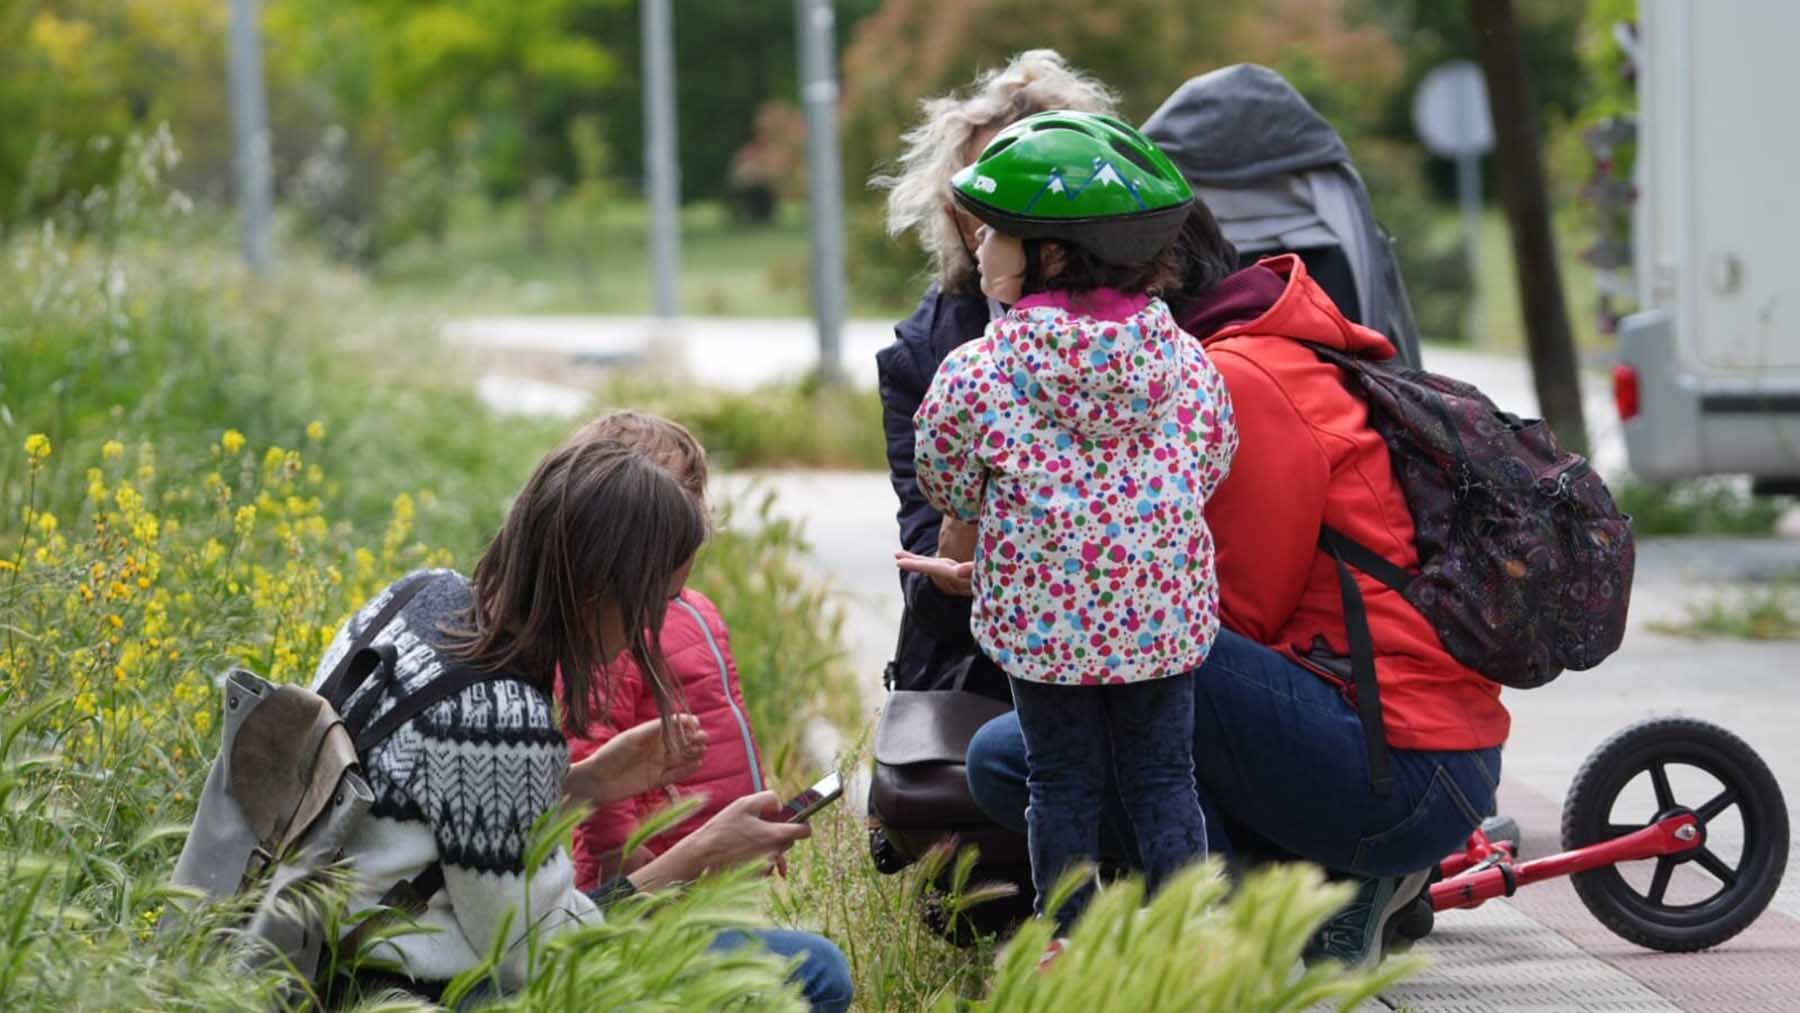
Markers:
1450,111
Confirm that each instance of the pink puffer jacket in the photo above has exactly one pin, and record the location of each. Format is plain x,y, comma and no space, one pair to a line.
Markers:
698,649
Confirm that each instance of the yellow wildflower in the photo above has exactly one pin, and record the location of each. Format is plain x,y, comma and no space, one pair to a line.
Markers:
112,450
232,441
315,430
37,448
245,521
6,566
46,523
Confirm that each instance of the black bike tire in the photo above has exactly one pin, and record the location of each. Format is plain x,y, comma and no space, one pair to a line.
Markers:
1606,772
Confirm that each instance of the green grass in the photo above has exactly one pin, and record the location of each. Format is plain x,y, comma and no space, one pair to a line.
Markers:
597,262
1768,611
1708,506
803,425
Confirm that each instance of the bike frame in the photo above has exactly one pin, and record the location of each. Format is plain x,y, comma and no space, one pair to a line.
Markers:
1487,869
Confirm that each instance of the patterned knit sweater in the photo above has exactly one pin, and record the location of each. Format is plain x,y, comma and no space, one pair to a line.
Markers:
462,783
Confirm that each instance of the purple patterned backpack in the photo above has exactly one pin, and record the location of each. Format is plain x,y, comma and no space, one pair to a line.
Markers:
1525,561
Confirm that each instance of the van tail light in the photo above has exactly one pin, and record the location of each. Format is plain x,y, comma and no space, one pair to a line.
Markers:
1625,391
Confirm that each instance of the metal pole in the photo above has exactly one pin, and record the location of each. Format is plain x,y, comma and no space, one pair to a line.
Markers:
1468,195
662,172
819,91
250,133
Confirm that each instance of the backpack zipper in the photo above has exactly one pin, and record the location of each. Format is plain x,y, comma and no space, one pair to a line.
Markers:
743,723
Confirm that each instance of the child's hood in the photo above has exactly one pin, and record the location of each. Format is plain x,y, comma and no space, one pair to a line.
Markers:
1104,364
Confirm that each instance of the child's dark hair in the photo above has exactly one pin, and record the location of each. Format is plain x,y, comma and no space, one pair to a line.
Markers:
1082,271
1198,258
1206,256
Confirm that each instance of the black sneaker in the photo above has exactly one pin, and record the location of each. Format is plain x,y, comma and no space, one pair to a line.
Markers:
1354,935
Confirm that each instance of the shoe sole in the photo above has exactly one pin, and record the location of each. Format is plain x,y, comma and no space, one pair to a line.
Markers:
1408,891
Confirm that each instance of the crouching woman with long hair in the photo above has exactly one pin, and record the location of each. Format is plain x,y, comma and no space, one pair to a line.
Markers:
581,573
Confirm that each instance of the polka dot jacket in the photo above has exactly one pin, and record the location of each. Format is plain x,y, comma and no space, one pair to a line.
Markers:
1085,434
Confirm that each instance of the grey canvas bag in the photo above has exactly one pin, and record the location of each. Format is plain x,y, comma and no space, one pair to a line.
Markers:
286,793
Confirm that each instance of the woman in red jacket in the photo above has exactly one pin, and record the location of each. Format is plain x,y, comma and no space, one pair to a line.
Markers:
1279,753
701,674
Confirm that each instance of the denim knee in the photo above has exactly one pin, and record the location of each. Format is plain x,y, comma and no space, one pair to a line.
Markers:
824,971
996,771
824,974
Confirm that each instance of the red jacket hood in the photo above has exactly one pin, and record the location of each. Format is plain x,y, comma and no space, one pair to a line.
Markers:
1305,313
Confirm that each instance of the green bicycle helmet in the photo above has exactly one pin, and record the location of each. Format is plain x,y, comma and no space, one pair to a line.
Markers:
1080,178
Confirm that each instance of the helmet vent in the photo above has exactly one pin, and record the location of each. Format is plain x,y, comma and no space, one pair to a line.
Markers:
1057,125
1135,156
998,146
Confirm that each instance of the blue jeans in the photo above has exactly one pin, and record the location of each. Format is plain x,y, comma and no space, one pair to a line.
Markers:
1073,737
823,974
1282,772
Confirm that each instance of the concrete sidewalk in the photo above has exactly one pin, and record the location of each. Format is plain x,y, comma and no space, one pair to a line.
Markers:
1539,950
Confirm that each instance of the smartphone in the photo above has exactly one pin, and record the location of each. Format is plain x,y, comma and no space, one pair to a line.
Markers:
801,807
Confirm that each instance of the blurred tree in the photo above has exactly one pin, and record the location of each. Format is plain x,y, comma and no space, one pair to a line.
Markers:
1518,152
731,58
1432,31
76,75
916,48
1344,63
522,60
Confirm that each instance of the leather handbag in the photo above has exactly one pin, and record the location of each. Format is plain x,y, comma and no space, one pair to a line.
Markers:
919,791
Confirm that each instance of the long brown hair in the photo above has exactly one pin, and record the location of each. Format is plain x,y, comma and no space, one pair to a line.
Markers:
598,522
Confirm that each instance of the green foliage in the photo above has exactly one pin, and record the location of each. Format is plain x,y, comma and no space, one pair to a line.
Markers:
804,425
1768,611
900,964
1200,944
1708,506
596,261
657,952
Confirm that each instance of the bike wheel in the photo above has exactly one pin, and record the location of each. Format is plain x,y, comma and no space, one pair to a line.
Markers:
1729,896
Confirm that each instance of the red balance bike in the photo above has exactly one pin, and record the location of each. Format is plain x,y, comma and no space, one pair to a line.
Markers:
1674,830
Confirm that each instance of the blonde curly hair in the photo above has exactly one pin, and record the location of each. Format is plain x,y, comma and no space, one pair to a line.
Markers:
919,185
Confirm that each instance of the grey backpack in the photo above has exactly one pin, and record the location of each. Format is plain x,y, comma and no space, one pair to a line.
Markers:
286,794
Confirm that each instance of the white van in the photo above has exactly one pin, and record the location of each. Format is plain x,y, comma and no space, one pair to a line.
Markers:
1709,374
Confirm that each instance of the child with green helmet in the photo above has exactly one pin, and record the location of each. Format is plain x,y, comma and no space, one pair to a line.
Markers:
1084,432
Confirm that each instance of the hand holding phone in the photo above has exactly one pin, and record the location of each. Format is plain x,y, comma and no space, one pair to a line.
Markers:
801,807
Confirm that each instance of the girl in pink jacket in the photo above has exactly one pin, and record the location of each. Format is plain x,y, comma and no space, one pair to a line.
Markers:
1084,431
701,674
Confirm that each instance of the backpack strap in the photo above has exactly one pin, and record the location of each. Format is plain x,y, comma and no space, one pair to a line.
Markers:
442,688
406,898
1362,663
1349,550
355,668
